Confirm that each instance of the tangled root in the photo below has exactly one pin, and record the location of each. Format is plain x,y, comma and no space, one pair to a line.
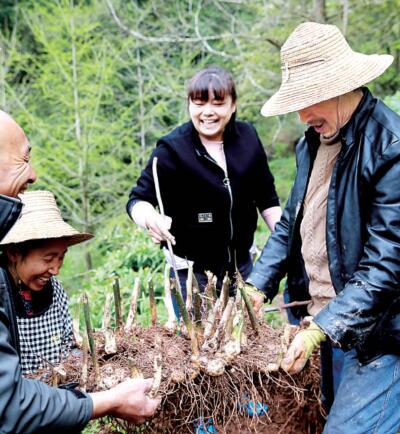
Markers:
190,395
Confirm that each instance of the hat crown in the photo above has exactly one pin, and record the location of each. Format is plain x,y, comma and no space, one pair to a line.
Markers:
41,201
318,64
41,219
313,42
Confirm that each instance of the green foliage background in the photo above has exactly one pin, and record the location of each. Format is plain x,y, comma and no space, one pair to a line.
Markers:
94,83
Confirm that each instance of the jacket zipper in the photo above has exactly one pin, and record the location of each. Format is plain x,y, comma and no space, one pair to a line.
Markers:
227,184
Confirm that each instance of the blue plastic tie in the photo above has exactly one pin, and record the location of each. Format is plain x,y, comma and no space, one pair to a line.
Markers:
253,409
206,426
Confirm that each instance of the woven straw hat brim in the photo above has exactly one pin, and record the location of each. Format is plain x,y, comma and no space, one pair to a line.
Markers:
315,83
41,220
43,232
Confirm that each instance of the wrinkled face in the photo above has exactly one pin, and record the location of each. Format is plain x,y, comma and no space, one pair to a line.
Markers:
16,172
39,264
20,173
323,117
211,117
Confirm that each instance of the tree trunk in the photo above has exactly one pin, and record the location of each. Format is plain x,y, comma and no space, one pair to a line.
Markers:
320,11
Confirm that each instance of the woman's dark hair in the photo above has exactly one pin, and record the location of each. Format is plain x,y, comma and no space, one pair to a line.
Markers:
24,247
214,79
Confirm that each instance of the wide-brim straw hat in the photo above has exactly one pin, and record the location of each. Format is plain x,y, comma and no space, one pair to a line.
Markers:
41,220
318,64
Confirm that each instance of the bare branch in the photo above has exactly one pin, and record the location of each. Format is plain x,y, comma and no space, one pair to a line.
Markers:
167,38
276,44
141,99
345,19
203,40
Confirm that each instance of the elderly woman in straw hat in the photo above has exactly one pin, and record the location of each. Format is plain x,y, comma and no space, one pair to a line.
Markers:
339,240
33,253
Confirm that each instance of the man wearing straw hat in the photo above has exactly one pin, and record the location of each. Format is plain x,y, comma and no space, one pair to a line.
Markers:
29,406
338,240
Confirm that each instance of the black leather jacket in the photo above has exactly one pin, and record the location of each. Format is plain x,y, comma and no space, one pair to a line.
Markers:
29,406
362,234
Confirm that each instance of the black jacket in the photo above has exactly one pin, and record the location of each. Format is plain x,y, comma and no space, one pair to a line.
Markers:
213,218
362,235
29,406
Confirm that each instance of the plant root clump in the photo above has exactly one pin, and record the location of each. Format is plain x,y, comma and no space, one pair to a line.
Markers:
189,395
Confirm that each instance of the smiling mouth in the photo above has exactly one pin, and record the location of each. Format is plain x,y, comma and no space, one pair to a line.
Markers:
316,123
208,121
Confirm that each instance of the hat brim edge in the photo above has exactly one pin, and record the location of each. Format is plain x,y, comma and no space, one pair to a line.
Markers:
72,239
274,107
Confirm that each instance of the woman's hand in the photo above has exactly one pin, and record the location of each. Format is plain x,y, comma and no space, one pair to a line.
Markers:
158,228
145,215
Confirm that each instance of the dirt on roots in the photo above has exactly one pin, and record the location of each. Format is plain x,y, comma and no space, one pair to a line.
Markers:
285,404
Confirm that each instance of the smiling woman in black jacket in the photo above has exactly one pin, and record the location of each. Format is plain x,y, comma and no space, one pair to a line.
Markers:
214,175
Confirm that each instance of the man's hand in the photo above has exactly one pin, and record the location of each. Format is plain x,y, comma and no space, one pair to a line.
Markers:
127,400
301,348
158,227
257,298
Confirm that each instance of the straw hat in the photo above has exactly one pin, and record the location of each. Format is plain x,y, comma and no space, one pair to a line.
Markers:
318,64
41,219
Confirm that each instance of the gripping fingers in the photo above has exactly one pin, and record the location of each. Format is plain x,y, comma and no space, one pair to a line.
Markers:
299,361
295,358
158,227
156,238
288,360
152,405
165,235
258,304
298,365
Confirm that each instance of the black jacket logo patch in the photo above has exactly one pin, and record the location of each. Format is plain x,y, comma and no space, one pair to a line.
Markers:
205,217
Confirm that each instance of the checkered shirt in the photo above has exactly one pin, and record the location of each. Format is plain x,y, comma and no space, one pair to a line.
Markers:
48,336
